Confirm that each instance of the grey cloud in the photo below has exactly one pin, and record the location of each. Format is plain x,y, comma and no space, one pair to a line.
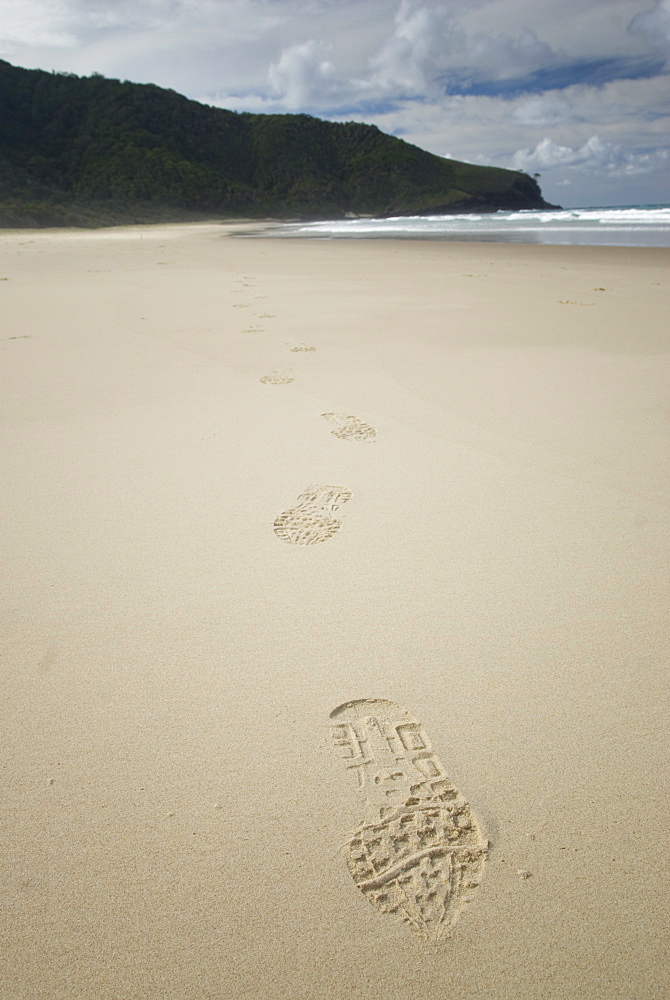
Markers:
653,25
545,110
101,15
30,23
501,55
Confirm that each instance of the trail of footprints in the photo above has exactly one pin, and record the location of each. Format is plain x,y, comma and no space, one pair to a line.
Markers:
418,855
310,520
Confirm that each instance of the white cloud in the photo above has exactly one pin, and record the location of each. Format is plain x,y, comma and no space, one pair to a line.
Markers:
627,106
417,55
430,48
426,53
595,155
303,75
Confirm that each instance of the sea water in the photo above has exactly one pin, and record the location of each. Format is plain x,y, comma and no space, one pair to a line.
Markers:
632,226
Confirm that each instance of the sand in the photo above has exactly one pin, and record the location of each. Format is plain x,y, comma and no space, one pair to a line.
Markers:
247,481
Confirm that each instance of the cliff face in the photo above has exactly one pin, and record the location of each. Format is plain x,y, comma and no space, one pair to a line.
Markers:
93,151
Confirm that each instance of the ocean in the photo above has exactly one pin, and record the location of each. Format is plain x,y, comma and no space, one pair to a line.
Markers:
628,226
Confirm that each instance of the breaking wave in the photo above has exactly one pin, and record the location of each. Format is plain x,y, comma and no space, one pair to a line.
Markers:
626,226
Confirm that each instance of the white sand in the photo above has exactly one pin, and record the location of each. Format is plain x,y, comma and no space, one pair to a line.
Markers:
172,809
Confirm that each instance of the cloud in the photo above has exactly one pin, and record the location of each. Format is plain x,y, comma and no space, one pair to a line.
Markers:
415,60
34,23
427,54
654,26
502,56
595,155
430,53
101,15
303,75
545,110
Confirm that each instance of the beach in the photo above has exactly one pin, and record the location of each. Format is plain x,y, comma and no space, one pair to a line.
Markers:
248,481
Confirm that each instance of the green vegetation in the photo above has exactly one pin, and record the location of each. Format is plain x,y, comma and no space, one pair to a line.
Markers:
91,151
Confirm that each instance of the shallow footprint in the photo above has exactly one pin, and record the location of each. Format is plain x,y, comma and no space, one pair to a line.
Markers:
279,377
350,428
310,520
418,854
303,347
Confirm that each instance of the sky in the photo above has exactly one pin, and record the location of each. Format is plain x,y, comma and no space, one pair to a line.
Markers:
577,91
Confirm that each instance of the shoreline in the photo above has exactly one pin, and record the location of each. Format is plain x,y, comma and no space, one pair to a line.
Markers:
174,810
247,228
594,238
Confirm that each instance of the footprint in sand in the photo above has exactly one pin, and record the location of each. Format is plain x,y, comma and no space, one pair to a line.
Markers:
418,854
350,428
279,377
310,520
303,347
253,329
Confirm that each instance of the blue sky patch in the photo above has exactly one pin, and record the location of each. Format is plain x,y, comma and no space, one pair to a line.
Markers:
592,73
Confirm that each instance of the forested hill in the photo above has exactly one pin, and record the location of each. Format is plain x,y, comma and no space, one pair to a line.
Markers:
92,151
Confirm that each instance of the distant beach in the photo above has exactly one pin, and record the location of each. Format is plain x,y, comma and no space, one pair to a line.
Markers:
335,617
